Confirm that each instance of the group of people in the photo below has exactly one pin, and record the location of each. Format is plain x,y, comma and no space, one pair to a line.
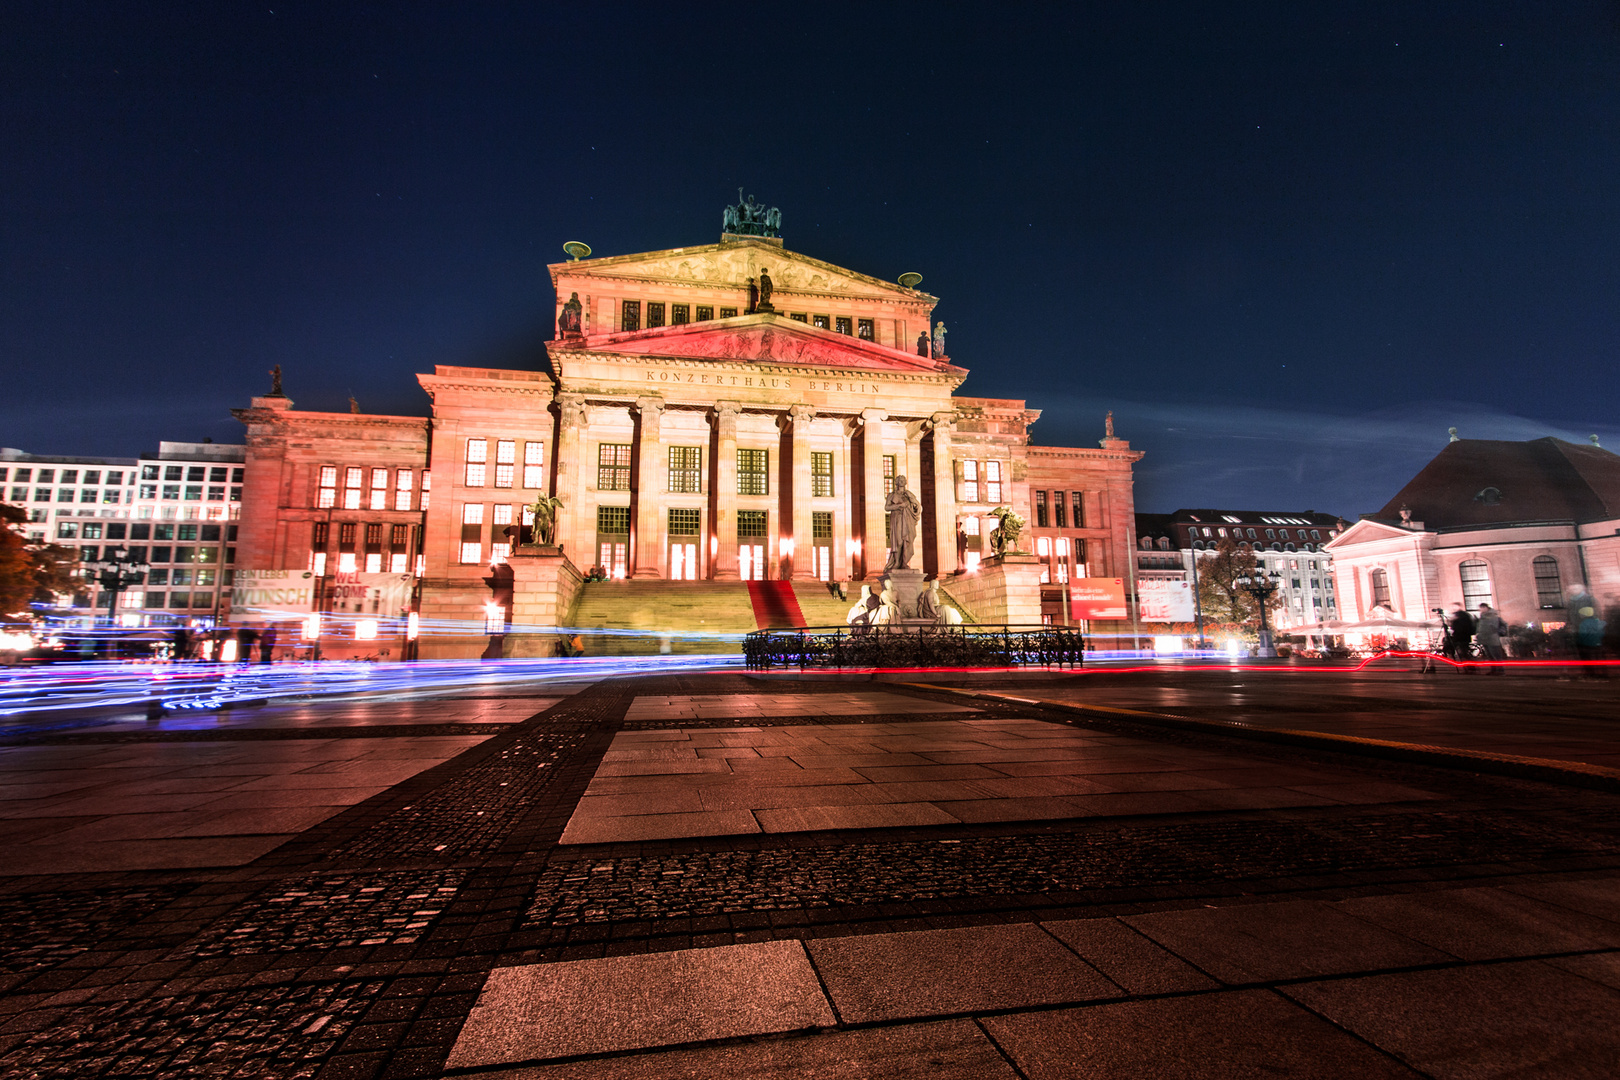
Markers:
1464,629
183,645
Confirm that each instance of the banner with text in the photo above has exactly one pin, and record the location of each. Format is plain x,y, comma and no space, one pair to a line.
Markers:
1165,600
258,594
387,595
1097,598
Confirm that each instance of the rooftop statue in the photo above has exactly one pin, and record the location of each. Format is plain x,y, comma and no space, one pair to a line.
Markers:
765,288
569,321
749,218
939,341
275,382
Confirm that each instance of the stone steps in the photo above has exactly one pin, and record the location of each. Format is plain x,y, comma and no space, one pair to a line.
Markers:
655,608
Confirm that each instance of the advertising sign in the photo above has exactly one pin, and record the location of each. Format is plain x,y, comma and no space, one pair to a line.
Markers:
257,593
1165,601
388,595
1097,598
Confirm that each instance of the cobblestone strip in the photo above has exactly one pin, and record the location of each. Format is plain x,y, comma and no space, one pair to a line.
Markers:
43,930
276,1031
617,889
11,737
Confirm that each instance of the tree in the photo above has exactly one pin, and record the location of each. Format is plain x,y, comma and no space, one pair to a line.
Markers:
33,573
16,567
1222,600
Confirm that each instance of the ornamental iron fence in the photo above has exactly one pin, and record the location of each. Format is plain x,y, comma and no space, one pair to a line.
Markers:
908,647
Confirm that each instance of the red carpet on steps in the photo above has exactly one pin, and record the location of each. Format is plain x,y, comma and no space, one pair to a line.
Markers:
775,605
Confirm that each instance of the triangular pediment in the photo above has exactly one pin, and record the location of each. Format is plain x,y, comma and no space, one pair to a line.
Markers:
1368,531
763,339
731,264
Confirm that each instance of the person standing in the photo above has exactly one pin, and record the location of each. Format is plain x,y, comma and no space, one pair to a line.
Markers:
267,644
1488,628
1462,633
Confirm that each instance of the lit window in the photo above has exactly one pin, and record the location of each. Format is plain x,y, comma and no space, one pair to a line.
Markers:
613,467
686,469
534,458
472,533
1549,589
1476,583
503,514
655,314
888,475
679,314
842,325
1041,514
374,562
505,457
346,564
427,485
1378,583
992,481
820,321
630,315
752,475
477,455
402,499
970,481
821,474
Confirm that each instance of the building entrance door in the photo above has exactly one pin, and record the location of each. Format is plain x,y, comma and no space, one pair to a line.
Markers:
685,526
613,539
751,561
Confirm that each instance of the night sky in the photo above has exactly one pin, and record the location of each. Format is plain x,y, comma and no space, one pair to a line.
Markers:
1288,244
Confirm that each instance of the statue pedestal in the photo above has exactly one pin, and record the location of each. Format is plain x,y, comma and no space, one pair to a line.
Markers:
544,584
1005,589
907,586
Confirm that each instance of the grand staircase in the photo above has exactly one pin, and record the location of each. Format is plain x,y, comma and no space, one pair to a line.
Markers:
637,618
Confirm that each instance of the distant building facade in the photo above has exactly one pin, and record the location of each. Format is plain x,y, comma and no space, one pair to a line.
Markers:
1291,544
731,411
1518,525
177,509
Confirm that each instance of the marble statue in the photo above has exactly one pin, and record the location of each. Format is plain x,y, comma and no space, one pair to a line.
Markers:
859,616
904,511
888,611
765,288
545,518
569,321
939,341
928,602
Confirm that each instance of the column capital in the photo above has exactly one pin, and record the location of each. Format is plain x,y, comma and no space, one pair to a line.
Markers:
727,408
943,421
649,405
571,409
873,416
802,414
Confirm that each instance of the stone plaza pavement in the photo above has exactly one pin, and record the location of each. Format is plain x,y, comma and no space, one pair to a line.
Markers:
712,875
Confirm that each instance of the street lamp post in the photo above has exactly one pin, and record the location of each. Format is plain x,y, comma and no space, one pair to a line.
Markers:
115,574
1261,586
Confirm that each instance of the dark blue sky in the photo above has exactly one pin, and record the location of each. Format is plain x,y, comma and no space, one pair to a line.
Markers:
1289,244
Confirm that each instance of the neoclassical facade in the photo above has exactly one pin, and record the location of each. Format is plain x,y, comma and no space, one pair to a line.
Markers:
725,412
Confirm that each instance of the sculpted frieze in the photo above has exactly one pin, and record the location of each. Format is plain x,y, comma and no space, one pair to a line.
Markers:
733,268
772,344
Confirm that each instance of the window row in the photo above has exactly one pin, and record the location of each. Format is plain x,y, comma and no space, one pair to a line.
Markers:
193,474
143,531
108,496
613,464
1270,534
361,548
24,475
358,494
979,478
505,474
679,314
865,329
1052,510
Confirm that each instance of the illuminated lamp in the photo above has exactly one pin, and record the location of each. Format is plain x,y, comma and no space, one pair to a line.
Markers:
413,626
310,628
972,561
786,545
366,629
495,617
1167,643
852,546
1234,648
227,651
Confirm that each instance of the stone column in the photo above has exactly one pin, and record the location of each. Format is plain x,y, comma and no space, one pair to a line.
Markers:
566,481
873,545
798,512
844,526
649,536
911,468
944,508
723,491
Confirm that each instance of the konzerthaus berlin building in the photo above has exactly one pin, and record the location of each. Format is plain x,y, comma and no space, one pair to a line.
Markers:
723,412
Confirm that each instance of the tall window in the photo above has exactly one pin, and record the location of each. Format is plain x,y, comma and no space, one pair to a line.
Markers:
613,539
351,488
1042,515
992,481
402,489
970,481
679,314
821,474
326,496
888,475
864,329
655,314
684,528
505,458
472,533
1059,518
1476,583
379,489
1549,590
752,475
821,544
477,455
820,321
630,315
686,470
842,325
751,544
534,460
613,467
1378,582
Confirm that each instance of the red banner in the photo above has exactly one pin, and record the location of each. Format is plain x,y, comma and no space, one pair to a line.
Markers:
1097,598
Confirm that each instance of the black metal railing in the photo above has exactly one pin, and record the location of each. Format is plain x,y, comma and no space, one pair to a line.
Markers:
909,647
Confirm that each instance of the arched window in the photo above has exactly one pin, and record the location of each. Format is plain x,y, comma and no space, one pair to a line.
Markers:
1549,590
1251,534
1271,534
1476,583
1316,534
1289,547
1378,581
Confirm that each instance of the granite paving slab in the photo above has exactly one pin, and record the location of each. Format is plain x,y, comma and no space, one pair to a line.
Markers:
1485,924
1127,958
577,1007
1227,1036
1294,940
940,972
1525,1018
